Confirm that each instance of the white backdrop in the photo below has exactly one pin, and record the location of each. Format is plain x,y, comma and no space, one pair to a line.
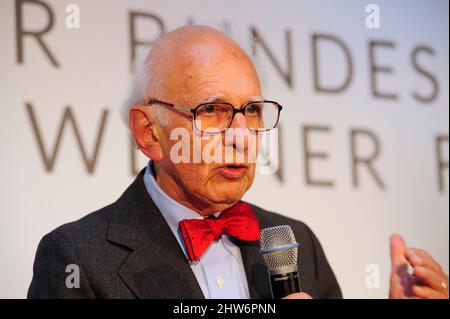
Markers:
93,74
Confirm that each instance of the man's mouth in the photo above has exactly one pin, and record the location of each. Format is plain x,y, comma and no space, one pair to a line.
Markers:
233,171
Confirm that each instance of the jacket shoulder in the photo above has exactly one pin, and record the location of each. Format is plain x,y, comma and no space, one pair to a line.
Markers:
89,228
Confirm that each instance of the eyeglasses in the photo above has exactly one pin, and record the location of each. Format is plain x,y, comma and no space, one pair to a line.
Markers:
261,116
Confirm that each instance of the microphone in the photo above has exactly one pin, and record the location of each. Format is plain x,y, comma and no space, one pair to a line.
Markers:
280,251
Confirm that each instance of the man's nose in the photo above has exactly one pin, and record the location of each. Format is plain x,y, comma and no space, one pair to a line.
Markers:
238,133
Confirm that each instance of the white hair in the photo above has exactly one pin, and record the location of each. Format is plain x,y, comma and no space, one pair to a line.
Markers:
142,83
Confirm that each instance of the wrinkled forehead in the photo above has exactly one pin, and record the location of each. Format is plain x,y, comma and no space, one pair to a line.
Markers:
194,71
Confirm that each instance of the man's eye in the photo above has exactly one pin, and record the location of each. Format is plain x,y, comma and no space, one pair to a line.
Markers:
209,109
253,109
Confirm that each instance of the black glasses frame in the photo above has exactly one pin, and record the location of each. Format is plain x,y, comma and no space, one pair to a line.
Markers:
235,110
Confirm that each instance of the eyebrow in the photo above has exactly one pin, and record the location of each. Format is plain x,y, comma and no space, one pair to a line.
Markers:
211,99
255,98
221,98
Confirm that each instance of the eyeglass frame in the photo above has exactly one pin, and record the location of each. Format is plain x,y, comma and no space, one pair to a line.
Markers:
235,110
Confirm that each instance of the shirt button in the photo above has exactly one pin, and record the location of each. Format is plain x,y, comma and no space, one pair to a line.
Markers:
220,282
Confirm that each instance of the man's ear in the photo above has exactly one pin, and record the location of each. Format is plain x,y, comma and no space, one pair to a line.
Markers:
142,125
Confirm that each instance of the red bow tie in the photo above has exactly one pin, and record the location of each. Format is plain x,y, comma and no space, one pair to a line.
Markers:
238,221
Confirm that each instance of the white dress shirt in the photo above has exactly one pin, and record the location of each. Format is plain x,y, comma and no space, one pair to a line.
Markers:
220,271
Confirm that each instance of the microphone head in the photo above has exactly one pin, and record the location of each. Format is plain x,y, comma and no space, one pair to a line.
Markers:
279,249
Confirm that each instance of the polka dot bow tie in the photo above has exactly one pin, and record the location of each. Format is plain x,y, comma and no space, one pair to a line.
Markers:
238,221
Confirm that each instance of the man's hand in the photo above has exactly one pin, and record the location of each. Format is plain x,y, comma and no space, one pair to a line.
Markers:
427,280
298,295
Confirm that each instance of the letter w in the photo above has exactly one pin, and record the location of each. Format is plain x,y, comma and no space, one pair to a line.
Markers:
49,160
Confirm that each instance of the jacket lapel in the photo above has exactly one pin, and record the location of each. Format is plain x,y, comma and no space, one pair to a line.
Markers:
255,270
255,267
156,266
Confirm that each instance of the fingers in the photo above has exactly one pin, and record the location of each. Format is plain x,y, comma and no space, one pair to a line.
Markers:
398,250
413,258
298,295
434,282
432,279
428,281
427,293
419,257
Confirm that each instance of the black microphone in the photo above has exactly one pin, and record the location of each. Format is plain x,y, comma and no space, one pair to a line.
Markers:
280,251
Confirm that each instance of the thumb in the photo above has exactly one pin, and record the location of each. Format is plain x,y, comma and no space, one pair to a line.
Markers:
400,282
398,250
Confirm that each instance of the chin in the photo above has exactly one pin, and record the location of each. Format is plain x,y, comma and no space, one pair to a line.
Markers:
231,193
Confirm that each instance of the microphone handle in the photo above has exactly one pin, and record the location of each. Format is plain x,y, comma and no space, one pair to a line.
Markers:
284,285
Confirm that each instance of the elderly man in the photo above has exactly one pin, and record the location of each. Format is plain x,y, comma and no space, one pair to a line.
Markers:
148,244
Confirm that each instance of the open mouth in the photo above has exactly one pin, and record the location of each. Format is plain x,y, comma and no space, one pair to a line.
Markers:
235,166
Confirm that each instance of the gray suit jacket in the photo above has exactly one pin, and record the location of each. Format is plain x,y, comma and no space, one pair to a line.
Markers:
127,250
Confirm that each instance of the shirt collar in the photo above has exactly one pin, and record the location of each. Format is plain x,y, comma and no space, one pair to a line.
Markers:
172,211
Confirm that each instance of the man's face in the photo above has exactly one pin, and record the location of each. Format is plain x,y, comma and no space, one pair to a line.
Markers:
207,72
